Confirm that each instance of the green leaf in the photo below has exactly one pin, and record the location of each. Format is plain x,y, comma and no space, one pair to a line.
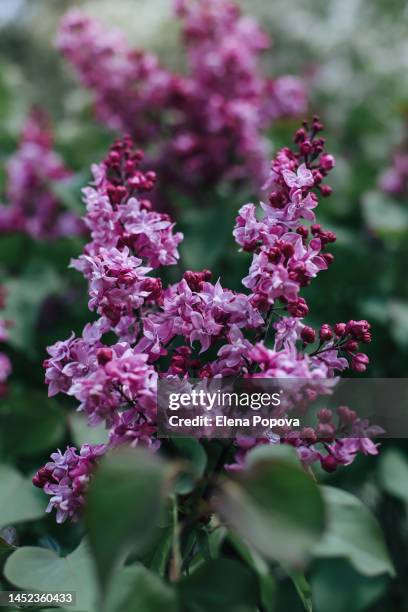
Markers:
205,226
69,192
82,433
276,507
30,423
353,533
190,449
157,561
5,549
393,474
42,569
20,500
216,538
124,502
398,314
136,589
267,452
359,591
267,582
302,587
25,296
219,585
385,217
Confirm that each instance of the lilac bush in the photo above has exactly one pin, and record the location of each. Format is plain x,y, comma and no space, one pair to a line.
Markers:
166,331
203,126
33,207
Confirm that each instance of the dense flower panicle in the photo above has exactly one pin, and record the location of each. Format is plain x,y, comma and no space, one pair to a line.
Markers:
287,255
208,124
131,89
118,214
117,283
171,331
203,315
33,208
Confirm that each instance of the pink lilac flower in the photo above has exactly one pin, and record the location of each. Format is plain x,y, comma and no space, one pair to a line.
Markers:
284,260
208,124
196,328
119,215
33,207
66,478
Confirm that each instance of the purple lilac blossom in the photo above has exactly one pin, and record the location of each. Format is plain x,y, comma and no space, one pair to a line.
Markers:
167,331
208,124
33,207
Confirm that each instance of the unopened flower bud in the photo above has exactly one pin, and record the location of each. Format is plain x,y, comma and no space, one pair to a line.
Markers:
308,334
339,329
325,332
359,362
327,161
325,415
328,463
351,346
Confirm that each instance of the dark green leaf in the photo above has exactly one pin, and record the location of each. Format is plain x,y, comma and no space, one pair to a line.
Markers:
267,583
220,585
20,500
124,502
275,506
353,533
191,450
302,587
135,589
24,299
30,423
339,588
393,474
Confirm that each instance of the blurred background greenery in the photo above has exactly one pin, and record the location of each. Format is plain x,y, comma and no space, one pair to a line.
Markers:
353,55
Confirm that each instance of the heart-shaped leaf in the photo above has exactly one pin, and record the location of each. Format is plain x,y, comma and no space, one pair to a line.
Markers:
33,568
353,533
20,501
275,506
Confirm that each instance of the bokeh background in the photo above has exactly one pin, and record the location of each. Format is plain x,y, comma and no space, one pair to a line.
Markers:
353,56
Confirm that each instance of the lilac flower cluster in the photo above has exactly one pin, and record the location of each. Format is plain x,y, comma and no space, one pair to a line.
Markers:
285,259
206,125
66,477
33,208
195,327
